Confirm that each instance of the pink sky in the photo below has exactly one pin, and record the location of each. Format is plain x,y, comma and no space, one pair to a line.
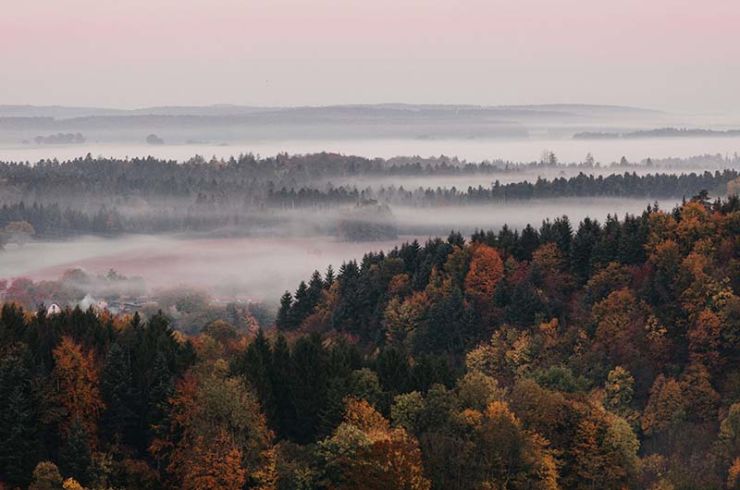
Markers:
673,54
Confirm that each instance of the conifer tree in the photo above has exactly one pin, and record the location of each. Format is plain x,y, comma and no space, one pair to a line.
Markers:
121,396
282,371
309,382
284,320
315,287
302,307
257,370
75,456
329,277
160,389
20,446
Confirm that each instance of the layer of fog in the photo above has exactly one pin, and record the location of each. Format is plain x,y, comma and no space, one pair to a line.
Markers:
515,214
244,268
260,268
472,150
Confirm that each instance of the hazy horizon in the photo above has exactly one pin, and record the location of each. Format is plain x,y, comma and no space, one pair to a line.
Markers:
670,55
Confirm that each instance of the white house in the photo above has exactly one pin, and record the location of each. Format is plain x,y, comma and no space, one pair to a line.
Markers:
53,309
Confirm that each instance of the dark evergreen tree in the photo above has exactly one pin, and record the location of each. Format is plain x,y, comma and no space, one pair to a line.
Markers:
255,365
348,314
281,386
506,240
161,385
529,240
525,304
562,234
392,367
315,287
607,248
430,370
582,248
284,319
20,426
309,382
12,326
444,327
75,455
121,418
409,253
456,238
632,240
303,305
329,277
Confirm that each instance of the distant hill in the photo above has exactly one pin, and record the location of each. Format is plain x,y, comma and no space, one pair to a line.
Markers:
230,122
659,133
61,112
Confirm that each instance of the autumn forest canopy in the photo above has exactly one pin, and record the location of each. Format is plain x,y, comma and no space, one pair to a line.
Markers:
591,354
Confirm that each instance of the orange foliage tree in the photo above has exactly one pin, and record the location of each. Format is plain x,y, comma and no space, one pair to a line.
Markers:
704,339
485,272
75,387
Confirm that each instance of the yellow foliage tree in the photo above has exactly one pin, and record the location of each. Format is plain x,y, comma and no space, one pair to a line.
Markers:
401,318
510,456
72,484
365,452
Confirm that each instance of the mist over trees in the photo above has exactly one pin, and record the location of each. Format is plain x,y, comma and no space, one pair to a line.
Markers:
108,196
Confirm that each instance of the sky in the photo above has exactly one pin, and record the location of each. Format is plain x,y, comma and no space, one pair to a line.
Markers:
676,55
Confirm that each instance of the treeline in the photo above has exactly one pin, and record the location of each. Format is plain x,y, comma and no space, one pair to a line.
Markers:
246,175
52,221
615,185
229,206
660,133
151,176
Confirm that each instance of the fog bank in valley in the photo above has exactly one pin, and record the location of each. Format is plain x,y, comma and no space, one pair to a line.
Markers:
262,267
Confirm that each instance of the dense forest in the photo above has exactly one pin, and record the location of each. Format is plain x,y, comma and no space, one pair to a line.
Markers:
589,355
105,197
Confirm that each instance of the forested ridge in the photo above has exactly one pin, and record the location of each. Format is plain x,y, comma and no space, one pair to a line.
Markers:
105,196
589,355
145,177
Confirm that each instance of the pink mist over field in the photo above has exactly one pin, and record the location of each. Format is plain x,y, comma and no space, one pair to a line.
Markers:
258,268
